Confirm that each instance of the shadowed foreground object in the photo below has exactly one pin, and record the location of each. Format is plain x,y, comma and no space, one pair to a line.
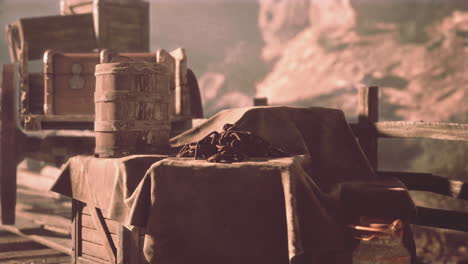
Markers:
16,249
267,210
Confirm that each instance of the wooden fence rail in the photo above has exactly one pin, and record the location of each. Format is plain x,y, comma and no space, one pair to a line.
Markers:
418,129
368,130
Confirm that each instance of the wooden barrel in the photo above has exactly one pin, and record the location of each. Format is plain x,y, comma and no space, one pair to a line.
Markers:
132,108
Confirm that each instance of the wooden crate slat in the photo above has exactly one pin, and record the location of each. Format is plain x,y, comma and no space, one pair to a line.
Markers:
105,236
87,211
94,250
87,221
92,235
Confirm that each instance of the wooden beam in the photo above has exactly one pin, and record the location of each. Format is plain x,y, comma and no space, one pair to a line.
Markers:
417,129
441,219
431,183
8,155
368,114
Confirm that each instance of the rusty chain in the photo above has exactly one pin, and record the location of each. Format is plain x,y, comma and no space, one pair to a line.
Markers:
231,145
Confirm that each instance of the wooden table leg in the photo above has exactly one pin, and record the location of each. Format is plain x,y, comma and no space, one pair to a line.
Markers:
8,157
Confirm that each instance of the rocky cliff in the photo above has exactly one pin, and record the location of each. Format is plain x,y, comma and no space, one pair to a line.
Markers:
416,51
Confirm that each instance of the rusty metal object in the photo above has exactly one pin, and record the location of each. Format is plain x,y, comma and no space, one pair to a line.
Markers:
231,145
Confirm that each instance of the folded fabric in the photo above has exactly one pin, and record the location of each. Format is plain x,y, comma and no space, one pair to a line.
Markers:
321,133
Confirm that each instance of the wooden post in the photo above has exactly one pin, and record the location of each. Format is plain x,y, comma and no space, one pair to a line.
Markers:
8,146
368,114
260,101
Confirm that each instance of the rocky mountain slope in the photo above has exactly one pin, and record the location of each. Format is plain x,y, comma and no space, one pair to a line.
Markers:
419,58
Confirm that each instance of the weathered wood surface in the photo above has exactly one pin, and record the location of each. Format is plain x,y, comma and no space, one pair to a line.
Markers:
36,93
122,25
368,113
108,56
431,183
441,218
26,228
132,108
94,236
69,83
415,129
104,234
165,58
87,221
24,107
8,147
94,251
181,93
90,243
73,33
72,7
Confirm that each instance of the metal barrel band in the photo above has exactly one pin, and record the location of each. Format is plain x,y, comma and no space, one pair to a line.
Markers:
111,96
130,125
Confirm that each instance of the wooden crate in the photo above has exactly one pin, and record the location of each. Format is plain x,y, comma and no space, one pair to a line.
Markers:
97,239
122,25
69,83
28,38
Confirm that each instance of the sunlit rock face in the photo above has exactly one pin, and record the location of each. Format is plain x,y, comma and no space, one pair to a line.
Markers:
416,51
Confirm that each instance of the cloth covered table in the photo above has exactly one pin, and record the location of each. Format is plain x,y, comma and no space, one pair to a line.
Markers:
264,210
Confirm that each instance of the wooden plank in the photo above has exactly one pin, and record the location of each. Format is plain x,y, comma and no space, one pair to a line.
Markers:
415,129
76,230
94,250
14,42
39,260
45,219
368,114
17,243
83,260
431,183
87,211
92,235
87,259
441,219
47,252
181,97
73,33
8,159
26,228
36,93
105,235
64,118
